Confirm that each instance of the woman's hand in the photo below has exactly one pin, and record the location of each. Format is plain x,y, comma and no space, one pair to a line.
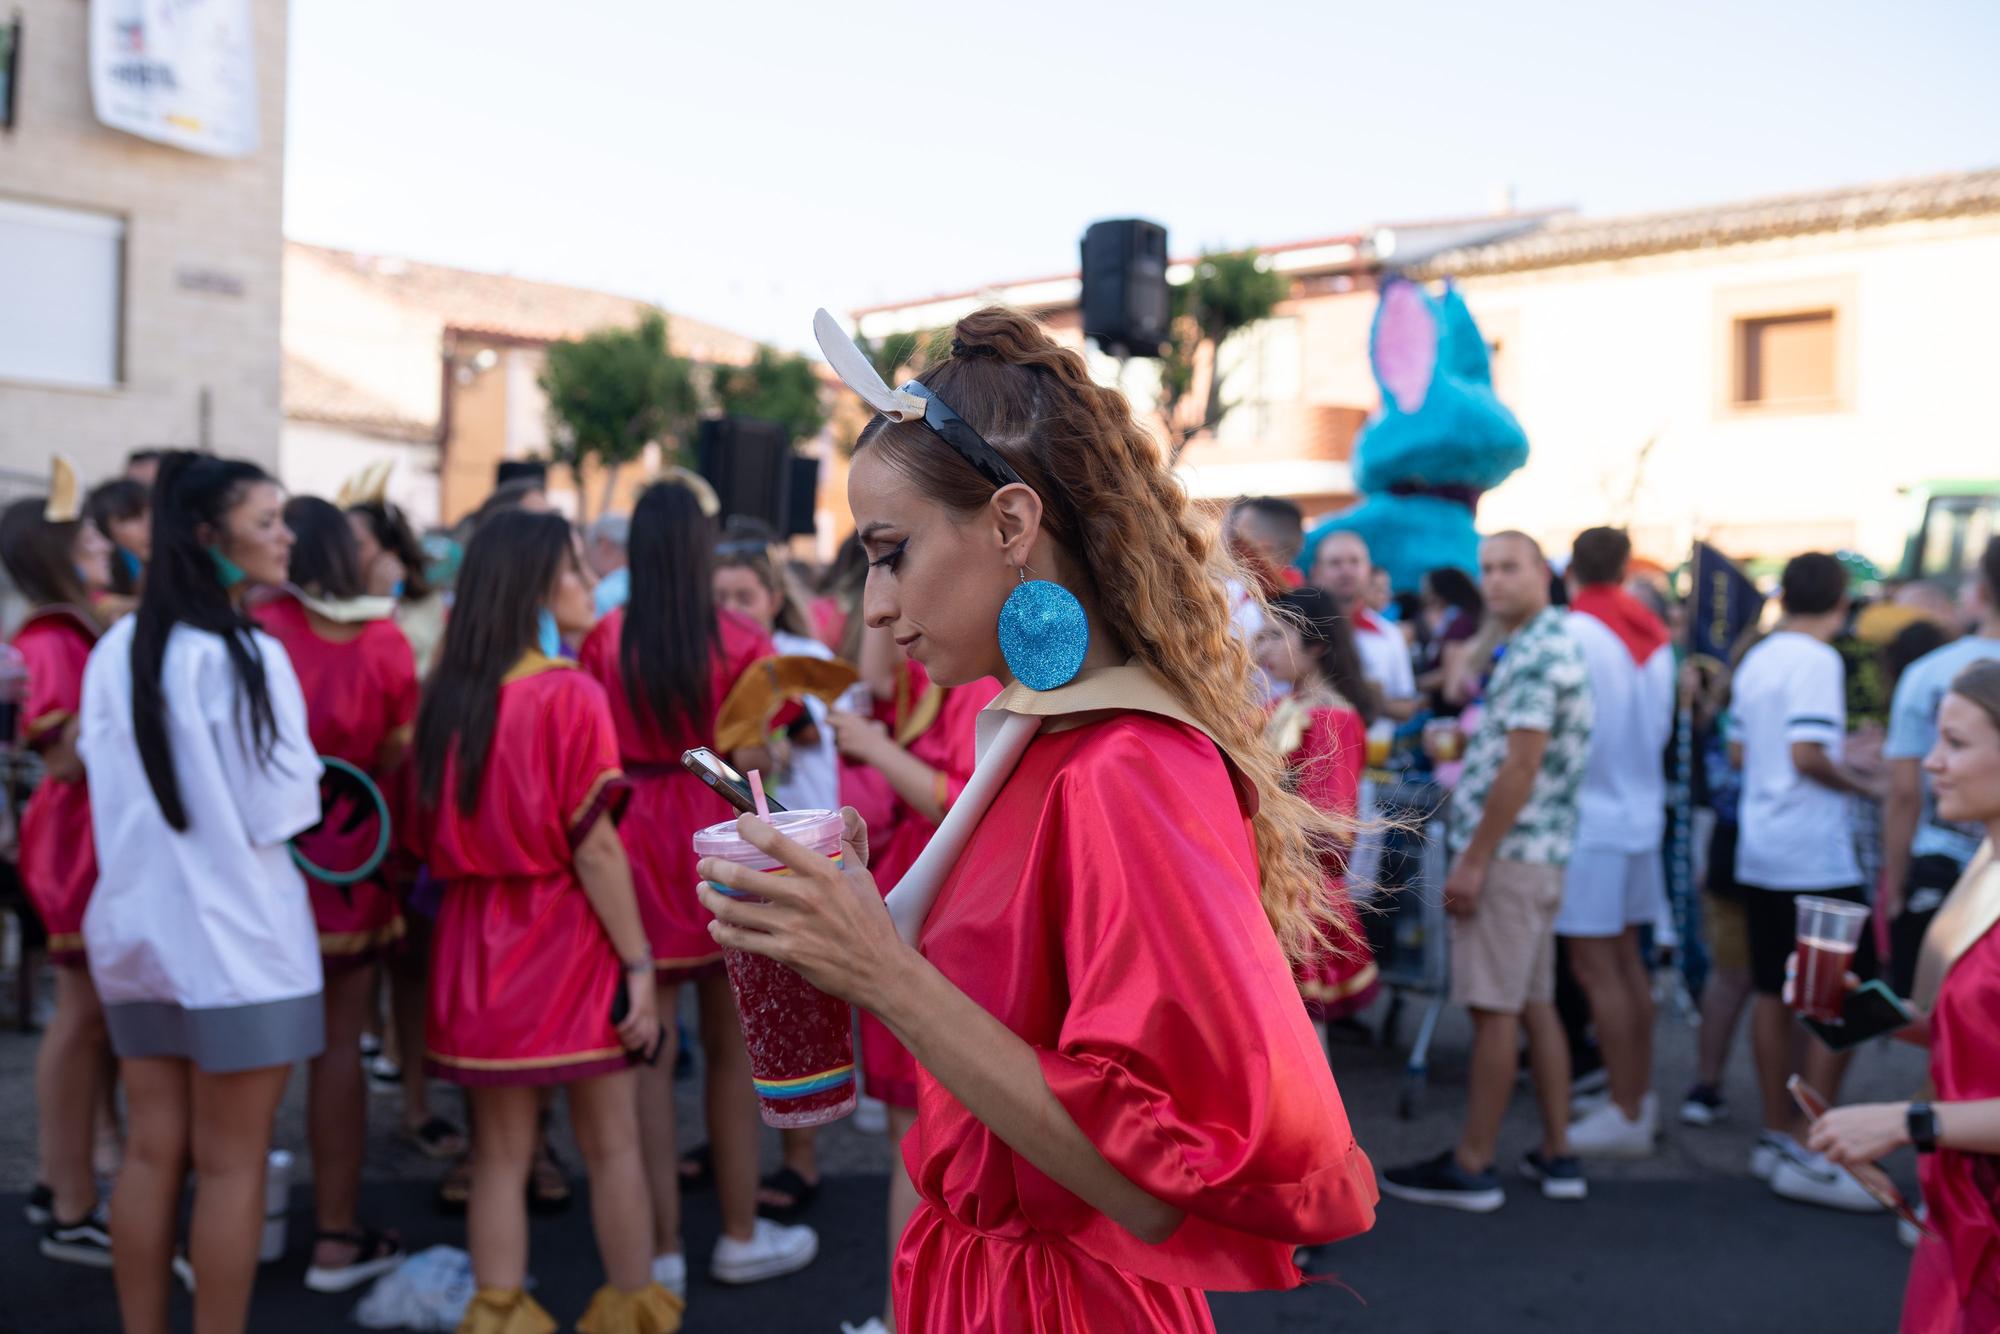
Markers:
641,1025
828,924
1863,1133
859,739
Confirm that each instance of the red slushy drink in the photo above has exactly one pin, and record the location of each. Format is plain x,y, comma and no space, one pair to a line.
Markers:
801,1040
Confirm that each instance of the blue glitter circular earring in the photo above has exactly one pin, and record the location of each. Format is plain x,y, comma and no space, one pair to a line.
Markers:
1043,634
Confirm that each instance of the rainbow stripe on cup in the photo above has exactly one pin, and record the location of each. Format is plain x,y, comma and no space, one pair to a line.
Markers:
779,1090
839,863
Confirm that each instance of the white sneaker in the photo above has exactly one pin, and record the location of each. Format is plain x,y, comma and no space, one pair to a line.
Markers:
1606,1132
773,1250
1773,1147
1583,1104
670,1271
1814,1180
872,1325
871,1117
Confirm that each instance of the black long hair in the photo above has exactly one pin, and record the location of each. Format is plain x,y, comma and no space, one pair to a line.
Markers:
192,492
110,502
670,629
326,560
37,555
394,535
510,566
1331,638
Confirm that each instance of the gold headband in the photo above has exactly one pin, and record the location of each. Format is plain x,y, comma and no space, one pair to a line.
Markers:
369,486
704,494
65,502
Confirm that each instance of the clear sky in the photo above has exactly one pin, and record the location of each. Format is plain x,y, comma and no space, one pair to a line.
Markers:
745,162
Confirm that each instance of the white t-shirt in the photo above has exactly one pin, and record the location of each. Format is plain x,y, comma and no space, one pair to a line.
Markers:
1623,804
1385,656
215,915
812,783
1794,833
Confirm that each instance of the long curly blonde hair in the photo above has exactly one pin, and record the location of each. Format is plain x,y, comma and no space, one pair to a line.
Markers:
1111,502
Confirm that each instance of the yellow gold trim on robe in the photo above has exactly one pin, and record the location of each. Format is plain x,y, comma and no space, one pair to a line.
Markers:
66,940
33,729
597,786
921,715
518,1063
533,663
337,944
1353,986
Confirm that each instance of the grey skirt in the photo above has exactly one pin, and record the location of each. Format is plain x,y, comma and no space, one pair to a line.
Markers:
223,1039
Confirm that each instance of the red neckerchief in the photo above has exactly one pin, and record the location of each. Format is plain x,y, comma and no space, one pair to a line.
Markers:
1631,620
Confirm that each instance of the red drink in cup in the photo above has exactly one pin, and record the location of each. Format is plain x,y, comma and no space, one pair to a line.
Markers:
801,1040
1829,930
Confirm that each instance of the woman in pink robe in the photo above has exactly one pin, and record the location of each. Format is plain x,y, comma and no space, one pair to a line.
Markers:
1954,1285
1120,1100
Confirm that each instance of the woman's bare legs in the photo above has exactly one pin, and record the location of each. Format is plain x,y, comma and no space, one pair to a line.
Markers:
337,1111
147,1198
69,1071
604,1113
230,1137
504,1134
731,1100
902,1198
659,1132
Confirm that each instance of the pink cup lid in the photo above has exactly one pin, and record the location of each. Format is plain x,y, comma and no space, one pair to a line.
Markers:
818,830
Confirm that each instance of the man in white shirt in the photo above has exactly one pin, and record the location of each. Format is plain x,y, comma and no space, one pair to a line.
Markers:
1789,700
1614,882
1341,567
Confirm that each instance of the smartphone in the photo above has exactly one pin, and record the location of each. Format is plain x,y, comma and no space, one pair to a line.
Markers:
731,786
621,1005
1870,1011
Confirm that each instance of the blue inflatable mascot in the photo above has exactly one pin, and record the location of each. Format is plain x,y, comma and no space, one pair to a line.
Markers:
1440,440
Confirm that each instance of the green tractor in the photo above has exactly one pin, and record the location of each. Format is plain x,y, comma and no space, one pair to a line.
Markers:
1950,523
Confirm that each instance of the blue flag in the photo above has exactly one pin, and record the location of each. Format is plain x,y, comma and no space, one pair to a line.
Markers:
1725,602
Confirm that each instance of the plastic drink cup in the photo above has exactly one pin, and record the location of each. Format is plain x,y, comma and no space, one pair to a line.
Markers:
1829,930
801,1040
1443,742
1381,740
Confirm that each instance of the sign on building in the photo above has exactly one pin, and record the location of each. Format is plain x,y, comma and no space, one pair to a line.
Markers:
178,72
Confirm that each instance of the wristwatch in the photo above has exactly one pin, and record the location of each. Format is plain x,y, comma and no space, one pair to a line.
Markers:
1922,1123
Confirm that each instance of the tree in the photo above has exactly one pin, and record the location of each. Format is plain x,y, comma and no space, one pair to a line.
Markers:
1227,292
776,386
892,354
613,392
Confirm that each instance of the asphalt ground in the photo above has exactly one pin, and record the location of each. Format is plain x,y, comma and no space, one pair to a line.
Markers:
1684,1241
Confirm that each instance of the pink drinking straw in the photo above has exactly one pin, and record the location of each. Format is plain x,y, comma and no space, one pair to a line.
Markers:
757,791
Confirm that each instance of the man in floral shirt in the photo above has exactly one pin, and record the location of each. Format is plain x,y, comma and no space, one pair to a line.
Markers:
1513,822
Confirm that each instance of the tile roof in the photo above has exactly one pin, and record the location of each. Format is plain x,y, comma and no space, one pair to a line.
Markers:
1570,239
517,308
312,394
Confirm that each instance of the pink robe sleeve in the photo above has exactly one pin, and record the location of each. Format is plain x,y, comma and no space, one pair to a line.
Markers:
581,744
1185,1055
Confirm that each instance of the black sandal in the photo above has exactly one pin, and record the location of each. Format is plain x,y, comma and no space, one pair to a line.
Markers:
698,1168
436,1138
375,1252
548,1184
786,1181
455,1191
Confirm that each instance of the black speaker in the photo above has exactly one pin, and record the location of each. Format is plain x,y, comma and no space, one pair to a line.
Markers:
1125,286
802,513
749,463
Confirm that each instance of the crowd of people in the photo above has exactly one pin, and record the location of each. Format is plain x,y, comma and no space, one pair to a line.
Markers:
1196,811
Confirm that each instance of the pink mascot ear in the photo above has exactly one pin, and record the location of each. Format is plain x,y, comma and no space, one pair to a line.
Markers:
1404,344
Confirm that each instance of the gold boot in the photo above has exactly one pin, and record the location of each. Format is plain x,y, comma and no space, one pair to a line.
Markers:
650,1310
505,1311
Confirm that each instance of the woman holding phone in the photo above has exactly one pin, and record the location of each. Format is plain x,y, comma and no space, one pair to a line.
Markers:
1954,1285
667,659
540,966
1110,1120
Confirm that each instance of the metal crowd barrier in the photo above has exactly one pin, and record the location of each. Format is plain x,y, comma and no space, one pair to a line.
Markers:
1405,919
